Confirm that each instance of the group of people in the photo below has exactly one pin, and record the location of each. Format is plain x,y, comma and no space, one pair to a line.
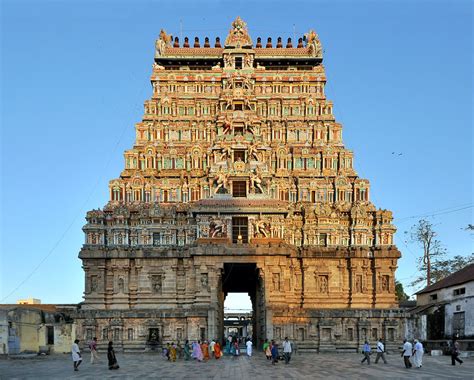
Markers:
200,351
272,353
410,352
77,356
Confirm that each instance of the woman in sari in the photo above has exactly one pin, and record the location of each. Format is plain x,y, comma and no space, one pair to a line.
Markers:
197,353
217,350
173,352
205,350
111,356
187,352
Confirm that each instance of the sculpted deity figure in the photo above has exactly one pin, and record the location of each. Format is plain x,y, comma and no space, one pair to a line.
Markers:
228,60
204,280
323,284
256,182
162,42
216,228
260,228
313,43
226,127
385,283
253,152
120,285
358,284
221,180
156,284
226,152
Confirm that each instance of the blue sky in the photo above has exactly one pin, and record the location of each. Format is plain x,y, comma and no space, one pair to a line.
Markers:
75,75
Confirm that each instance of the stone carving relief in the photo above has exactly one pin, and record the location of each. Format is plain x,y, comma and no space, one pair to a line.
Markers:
256,182
358,283
323,284
221,182
156,283
217,228
385,283
261,228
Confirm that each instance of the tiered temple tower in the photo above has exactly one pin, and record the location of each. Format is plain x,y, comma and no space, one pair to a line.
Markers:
239,181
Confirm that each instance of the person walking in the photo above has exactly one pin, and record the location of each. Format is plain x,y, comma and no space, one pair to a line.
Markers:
249,347
211,347
455,352
172,355
287,350
93,348
187,351
366,350
418,352
111,357
76,355
274,349
406,353
217,351
380,352
267,350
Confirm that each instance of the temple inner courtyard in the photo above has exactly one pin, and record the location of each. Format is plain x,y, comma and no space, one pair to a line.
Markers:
302,366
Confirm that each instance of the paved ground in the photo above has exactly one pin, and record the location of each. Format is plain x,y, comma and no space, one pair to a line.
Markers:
302,366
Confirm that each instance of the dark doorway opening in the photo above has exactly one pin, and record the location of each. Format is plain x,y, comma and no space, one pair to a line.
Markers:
245,278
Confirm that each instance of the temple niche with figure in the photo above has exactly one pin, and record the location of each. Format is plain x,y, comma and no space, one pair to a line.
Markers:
239,181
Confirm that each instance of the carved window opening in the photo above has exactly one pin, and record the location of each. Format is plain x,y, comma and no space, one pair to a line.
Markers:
130,334
374,334
105,334
239,155
277,332
350,334
156,238
391,334
238,107
240,230
301,334
239,189
238,63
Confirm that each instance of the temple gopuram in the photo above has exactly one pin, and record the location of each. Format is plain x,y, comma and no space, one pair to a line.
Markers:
239,181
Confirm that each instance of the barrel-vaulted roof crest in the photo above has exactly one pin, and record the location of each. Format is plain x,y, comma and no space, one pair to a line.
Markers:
238,35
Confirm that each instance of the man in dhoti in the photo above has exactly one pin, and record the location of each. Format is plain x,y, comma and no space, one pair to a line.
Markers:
249,347
418,352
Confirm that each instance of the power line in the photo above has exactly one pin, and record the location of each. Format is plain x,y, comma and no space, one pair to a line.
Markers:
438,212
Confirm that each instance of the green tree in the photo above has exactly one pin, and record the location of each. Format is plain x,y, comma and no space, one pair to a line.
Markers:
400,292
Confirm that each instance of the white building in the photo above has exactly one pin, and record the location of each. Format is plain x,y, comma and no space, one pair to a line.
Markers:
447,307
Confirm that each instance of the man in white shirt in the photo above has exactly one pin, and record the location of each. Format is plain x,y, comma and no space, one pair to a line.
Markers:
249,347
76,355
407,351
380,352
418,352
211,347
287,350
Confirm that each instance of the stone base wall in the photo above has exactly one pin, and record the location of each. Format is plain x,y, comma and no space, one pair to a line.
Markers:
311,330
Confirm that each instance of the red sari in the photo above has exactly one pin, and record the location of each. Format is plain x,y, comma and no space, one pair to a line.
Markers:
217,351
205,351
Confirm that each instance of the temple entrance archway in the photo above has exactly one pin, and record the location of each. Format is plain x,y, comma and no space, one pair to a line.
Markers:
245,278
